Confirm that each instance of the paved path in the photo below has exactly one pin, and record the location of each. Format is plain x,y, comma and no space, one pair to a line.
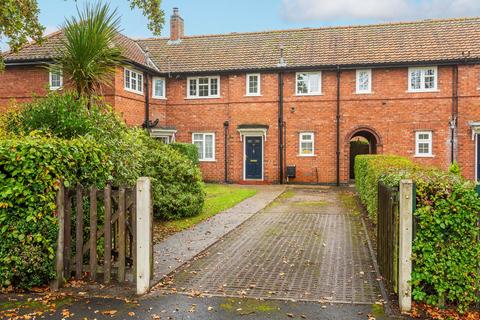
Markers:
183,246
304,246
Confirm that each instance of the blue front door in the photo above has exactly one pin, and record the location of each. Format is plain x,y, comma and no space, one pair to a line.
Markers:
253,157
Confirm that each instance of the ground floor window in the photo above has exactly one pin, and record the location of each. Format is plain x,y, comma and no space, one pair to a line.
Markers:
205,143
306,144
423,143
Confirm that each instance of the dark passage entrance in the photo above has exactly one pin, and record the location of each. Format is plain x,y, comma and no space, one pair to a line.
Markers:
361,142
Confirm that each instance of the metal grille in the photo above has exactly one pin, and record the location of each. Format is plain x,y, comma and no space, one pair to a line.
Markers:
307,247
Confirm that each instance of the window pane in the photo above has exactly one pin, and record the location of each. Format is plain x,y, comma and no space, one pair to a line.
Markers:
429,79
314,83
214,86
127,79
209,146
363,81
140,82
306,148
159,88
415,79
133,82
203,87
306,137
301,83
253,84
193,87
198,141
423,148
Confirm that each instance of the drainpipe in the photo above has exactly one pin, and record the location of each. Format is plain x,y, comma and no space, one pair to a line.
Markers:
338,126
225,132
280,126
453,121
147,101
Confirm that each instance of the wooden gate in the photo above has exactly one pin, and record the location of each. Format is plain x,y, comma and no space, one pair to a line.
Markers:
388,234
110,248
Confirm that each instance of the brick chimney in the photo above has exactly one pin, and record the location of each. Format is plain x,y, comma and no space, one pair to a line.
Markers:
176,26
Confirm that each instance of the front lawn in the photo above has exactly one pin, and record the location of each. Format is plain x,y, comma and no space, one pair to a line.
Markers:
219,198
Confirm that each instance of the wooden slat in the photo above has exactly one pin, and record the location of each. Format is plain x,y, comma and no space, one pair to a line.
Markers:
121,235
93,233
68,233
100,233
60,239
108,233
134,230
79,233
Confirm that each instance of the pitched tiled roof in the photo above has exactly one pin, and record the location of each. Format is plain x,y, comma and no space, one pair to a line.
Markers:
392,43
130,48
422,41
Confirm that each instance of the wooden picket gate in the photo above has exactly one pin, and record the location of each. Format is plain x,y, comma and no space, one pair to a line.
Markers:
112,213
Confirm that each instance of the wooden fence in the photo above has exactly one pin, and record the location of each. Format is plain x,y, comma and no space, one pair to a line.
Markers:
111,248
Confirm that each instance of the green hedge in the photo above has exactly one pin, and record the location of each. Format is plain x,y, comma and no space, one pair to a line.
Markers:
178,190
30,169
446,249
368,171
187,149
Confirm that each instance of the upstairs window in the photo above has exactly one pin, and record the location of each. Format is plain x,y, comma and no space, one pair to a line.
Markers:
364,81
423,143
158,88
205,143
55,80
253,84
133,81
422,79
306,144
308,83
204,87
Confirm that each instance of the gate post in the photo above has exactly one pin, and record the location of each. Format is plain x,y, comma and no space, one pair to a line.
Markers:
144,235
405,250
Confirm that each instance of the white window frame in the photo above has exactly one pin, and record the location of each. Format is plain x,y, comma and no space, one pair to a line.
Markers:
154,95
50,80
189,96
422,79
358,89
300,140
247,85
418,141
213,145
309,93
136,73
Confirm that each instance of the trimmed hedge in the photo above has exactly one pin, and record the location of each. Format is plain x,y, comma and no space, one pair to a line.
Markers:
187,149
446,249
30,169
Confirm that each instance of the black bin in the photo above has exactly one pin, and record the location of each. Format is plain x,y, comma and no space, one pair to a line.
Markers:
291,171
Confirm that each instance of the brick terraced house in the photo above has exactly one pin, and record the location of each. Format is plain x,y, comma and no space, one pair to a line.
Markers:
293,105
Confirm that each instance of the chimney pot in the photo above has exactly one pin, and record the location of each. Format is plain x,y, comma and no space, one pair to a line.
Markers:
176,26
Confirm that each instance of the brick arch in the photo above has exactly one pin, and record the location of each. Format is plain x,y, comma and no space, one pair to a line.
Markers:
346,147
369,129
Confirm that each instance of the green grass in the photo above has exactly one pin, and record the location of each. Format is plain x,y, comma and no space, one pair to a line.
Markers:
219,198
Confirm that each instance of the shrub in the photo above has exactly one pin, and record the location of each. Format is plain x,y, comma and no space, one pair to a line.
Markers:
30,169
177,186
446,249
369,169
187,149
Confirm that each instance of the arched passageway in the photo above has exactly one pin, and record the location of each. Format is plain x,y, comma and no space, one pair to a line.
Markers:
362,141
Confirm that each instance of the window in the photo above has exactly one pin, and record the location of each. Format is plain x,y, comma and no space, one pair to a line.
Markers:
423,143
133,81
253,84
422,79
306,144
159,88
203,87
309,83
164,139
364,81
205,143
55,80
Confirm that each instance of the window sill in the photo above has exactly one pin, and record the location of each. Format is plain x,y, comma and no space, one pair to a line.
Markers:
308,94
307,155
422,91
140,93
252,95
198,98
369,92
159,98
208,160
55,88
424,156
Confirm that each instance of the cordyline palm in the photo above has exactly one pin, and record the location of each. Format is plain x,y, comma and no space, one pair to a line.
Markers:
88,56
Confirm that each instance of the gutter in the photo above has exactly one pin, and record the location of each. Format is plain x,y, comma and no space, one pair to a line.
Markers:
338,128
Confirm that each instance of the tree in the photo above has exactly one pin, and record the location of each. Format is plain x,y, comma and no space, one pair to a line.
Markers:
19,20
88,57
